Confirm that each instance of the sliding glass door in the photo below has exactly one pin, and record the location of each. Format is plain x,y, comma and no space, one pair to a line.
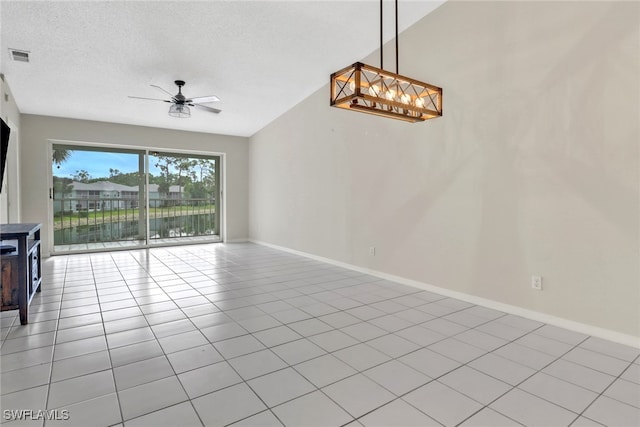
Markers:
183,197
106,198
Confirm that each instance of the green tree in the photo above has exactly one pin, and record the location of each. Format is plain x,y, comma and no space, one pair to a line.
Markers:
62,187
60,156
206,168
197,190
131,179
207,181
82,176
186,173
154,179
194,176
164,181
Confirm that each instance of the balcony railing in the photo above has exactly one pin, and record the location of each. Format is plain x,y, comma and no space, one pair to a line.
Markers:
93,220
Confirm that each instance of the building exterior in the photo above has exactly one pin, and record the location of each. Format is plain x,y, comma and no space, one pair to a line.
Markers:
106,195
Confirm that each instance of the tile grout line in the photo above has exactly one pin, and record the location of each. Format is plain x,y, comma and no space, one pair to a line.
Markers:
53,350
607,388
244,381
113,374
165,356
303,288
513,387
224,359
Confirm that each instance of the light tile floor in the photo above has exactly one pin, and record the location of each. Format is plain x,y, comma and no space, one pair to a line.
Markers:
241,334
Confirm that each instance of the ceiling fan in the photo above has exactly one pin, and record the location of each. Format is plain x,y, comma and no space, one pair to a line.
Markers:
180,103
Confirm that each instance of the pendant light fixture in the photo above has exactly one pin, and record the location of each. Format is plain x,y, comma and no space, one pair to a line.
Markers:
361,87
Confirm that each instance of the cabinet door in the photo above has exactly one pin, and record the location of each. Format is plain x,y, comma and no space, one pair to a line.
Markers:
9,283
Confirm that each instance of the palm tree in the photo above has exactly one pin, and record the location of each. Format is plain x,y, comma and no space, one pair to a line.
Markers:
82,176
60,155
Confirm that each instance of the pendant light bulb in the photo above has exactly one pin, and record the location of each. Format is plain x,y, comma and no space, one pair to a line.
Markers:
390,95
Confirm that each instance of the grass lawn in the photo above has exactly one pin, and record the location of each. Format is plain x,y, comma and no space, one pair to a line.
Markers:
67,220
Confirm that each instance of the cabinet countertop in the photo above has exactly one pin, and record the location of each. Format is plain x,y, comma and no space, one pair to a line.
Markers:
12,231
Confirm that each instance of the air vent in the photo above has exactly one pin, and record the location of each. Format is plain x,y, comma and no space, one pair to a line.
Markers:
19,55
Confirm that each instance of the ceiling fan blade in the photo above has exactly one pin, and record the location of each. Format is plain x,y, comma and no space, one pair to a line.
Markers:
165,91
150,99
204,107
204,99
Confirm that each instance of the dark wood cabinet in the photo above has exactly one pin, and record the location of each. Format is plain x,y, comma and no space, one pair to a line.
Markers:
9,282
21,272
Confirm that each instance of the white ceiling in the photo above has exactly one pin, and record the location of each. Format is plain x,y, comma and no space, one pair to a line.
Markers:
260,57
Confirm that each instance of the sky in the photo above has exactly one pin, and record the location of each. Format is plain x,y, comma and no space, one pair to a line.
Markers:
98,164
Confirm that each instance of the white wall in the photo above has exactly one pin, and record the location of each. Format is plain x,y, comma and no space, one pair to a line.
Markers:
533,169
10,194
37,130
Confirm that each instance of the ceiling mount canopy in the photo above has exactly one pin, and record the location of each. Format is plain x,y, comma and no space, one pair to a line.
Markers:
361,87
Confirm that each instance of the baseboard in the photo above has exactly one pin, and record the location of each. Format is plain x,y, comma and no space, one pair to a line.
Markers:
571,325
240,240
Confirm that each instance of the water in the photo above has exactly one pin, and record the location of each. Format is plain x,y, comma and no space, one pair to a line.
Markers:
159,228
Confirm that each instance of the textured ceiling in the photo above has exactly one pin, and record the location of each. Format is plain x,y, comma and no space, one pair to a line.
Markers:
260,57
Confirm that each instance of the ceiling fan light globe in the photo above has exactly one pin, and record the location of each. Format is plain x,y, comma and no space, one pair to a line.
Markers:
179,111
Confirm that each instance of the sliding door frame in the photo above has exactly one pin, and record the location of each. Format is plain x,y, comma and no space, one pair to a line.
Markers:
221,172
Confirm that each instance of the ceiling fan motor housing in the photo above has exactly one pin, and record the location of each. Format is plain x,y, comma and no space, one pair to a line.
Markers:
179,97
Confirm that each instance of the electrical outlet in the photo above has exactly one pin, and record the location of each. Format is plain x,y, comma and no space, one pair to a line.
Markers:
536,283
372,250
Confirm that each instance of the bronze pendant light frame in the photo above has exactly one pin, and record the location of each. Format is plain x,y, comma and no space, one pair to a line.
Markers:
361,87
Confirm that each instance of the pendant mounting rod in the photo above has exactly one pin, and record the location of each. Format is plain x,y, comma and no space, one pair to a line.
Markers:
381,39
381,35
397,72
